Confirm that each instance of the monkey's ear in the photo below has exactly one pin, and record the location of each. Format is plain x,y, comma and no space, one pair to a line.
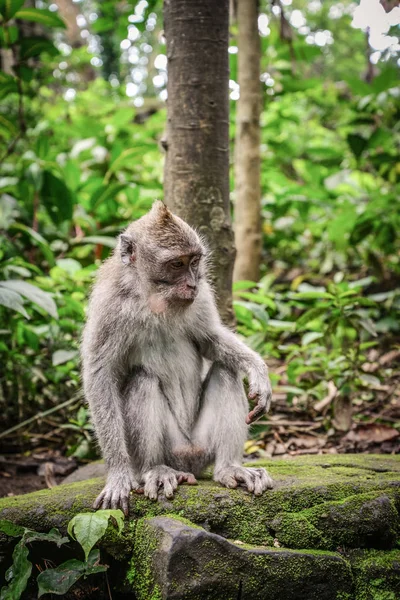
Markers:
127,248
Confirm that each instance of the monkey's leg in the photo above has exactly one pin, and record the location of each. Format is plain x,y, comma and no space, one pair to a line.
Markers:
150,429
221,427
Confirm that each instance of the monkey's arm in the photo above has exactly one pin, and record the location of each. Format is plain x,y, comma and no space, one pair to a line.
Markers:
101,378
218,343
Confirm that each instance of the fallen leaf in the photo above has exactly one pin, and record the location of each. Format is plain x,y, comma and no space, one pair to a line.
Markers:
373,432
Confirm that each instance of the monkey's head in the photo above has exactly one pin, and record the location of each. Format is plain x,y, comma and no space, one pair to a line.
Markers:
166,254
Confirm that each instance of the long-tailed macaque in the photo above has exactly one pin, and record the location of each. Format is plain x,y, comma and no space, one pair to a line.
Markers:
162,374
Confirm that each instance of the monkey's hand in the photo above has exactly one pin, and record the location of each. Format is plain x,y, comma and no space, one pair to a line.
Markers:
260,389
255,480
116,492
167,478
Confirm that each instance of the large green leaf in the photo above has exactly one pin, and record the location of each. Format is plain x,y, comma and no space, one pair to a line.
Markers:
18,574
89,528
60,357
42,16
32,293
104,192
8,126
11,299
30,47
11,529
59,580
56,197
387,78
8,8
53,536
357,144
8,84
36,239
103,240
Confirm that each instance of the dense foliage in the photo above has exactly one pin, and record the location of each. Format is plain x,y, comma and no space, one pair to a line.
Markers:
80,159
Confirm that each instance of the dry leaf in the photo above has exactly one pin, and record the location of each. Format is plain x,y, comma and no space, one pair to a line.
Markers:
373,432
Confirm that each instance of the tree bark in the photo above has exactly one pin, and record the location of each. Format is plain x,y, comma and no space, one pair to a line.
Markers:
69,12
196,178
247,145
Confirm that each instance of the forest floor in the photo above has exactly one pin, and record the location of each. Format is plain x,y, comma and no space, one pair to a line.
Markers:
288,431
37,458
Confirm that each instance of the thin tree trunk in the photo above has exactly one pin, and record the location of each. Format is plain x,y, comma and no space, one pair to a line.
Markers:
247,145
196,178
69,12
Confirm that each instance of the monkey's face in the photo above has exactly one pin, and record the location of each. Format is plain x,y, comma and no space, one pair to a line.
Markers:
177,278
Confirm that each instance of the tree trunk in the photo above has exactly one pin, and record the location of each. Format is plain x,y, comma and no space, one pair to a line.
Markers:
69,12
247,145
196,178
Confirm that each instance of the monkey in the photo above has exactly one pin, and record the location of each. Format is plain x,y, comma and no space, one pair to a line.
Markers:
161,374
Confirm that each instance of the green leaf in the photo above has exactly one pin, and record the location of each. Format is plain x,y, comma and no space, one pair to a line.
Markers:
104,192
8,8
103,240
18,574
53,536
312,296
357,144
43,16
60,357
30,47
310,315
259,299
37,240
243,285
368,380
11,529
369,326
59,580
8,126
33,293
89,528
388,78
57,198
11,299
8,84
8,35
282,325
310,337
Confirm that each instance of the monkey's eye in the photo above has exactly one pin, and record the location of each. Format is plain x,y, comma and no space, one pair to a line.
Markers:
195,261
177,264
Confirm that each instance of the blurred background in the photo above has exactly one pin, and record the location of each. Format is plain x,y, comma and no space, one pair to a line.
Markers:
83,92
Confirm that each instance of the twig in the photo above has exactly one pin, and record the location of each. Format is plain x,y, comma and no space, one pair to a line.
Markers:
40,415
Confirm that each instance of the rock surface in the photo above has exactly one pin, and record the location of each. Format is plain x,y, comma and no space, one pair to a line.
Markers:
328,529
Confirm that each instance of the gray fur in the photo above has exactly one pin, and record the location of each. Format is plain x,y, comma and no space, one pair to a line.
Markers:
161,373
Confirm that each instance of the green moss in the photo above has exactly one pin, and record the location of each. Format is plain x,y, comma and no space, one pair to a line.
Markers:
377,574
360,521
302,484
140,574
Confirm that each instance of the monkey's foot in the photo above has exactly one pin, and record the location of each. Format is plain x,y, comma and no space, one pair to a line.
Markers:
256,480
166,478
116,492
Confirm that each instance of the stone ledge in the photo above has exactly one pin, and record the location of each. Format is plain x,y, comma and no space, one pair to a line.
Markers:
344,509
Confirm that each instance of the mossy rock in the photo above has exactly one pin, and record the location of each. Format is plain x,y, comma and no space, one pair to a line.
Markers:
173,560
377,574
335,504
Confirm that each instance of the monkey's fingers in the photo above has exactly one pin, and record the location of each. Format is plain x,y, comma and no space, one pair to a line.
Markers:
255,414
188,478
99,500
